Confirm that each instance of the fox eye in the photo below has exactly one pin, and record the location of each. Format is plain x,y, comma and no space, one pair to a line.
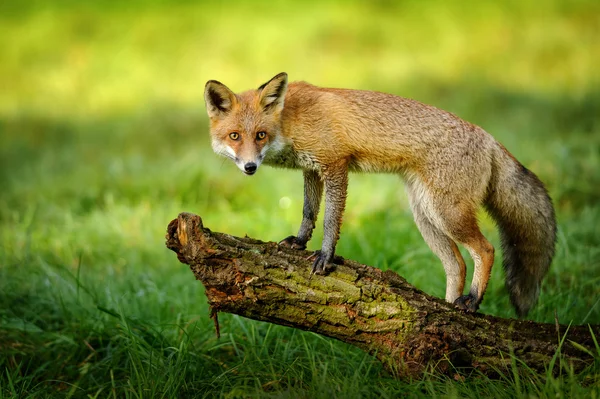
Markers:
235,136
261,135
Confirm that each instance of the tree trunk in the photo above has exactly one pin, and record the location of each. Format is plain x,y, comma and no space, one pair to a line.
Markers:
374,310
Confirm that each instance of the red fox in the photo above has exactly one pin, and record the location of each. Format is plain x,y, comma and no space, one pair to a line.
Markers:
450,167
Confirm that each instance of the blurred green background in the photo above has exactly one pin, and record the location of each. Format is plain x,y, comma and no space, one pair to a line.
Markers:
104,140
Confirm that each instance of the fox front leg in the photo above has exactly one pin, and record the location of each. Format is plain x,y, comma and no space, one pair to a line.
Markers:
336,186
313,191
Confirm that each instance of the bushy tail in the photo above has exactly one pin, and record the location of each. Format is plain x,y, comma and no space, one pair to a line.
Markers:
523,211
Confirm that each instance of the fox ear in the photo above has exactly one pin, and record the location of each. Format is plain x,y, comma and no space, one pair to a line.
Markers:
273,92
219,99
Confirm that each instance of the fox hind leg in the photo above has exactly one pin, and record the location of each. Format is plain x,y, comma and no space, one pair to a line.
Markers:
458,223
462,227
443,247
482,253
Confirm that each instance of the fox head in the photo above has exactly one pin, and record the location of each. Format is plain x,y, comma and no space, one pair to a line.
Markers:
245,127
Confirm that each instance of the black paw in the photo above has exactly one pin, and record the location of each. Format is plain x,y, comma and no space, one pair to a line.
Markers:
293,242
467,303
322,263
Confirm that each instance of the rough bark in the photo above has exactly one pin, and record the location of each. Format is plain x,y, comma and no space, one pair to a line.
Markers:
377,311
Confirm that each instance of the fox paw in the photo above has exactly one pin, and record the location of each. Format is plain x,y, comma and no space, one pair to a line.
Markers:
467,303
293,242
322,263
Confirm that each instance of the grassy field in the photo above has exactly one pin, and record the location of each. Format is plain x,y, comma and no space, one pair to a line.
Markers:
103,140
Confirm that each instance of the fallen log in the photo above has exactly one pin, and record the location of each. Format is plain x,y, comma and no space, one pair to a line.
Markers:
379,312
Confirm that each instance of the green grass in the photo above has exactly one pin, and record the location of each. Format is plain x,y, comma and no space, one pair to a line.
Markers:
103,140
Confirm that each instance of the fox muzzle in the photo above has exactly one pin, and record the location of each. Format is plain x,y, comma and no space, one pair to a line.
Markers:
250,168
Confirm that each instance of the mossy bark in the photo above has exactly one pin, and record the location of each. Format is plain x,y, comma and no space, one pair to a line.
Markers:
377,311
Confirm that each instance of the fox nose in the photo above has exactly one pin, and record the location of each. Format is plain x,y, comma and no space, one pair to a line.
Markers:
250,168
